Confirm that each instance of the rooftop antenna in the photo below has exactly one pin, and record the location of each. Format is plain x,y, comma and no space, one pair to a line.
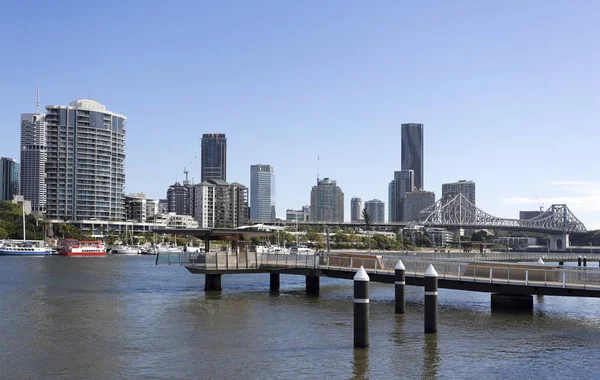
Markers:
318,168
37,104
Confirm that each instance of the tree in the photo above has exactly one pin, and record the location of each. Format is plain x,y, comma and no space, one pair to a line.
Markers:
367,220
3,233
480,235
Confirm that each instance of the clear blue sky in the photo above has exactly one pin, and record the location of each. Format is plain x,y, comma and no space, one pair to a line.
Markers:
508,91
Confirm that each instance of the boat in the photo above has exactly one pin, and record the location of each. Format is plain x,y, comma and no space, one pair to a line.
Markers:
295,250
74,247
125,250
25,248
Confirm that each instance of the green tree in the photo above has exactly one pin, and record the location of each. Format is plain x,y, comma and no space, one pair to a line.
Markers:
3,233
367,220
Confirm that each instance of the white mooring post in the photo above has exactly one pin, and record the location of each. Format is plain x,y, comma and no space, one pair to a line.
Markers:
431,300
399,286
361,309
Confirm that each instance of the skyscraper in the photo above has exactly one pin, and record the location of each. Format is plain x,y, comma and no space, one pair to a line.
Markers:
214,157
376,210
412,151
85,176
355,209
416,201
466,188
326,202
262,197
178,198
34,154
9,178
402,183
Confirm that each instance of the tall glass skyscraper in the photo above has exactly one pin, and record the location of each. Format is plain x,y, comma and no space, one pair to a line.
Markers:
9,178
355,209
376,210
262,193
214,157
412,151
85,176
402,183
34,154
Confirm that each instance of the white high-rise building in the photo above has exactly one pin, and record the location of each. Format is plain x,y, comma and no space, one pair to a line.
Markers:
34,154
85,170
262,193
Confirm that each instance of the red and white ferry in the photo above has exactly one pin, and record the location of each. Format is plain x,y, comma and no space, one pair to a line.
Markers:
74,247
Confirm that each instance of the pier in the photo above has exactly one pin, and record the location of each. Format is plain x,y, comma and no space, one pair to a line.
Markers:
513,280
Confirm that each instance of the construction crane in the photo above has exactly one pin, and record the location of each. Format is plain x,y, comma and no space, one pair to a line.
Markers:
186,172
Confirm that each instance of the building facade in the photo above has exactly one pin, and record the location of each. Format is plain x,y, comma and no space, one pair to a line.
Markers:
203,204
464,187
326,202
135,207
219,204
402,183
34,155
376,210
178,198
213,163
526,215
412,151
296,215
416,201
355,209
9,179
262,193
85,168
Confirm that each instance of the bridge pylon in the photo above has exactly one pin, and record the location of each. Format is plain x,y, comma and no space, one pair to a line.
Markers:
559,242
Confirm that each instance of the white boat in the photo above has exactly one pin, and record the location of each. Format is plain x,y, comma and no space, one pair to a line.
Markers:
24,248
301,251
125,250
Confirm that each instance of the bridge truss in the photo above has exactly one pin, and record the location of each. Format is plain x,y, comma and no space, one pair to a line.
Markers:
455,210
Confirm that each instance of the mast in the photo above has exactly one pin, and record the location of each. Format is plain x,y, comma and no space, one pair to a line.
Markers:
38,110
23,206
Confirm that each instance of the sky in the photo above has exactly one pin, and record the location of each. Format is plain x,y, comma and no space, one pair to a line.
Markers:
508,91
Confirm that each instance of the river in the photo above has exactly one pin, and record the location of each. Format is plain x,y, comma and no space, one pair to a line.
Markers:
124,317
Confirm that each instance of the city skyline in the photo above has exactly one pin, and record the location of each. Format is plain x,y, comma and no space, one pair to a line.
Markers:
458,82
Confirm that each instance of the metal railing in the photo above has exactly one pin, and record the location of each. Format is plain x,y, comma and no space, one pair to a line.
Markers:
469,271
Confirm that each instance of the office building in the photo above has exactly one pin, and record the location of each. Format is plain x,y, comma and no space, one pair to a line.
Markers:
163,206
34,154
297,215
178,198
218,204
135,207
262,193
85,168
151,209
376,210
326,202
355,209
526,215
402,183
412,151
214,157
9,178
416,201
466,188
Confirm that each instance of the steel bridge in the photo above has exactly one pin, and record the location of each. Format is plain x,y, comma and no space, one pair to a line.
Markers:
455,211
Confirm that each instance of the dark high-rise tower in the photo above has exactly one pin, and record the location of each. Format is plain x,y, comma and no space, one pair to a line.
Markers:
412,151
214,157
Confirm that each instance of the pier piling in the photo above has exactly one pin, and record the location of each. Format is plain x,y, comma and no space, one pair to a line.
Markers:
212,282
431,300
585,261
274,282
312,285
399,286
361,309
578,261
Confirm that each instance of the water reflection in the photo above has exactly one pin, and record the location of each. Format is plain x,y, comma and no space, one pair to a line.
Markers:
431,356
360,363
